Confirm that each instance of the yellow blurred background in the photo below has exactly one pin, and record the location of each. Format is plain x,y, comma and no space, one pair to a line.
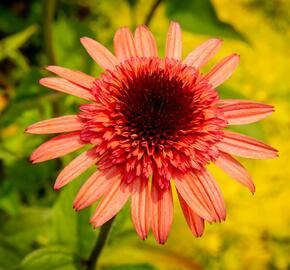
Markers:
256,234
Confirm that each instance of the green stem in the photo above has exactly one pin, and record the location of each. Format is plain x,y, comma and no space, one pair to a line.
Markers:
103,235
151,12
48,16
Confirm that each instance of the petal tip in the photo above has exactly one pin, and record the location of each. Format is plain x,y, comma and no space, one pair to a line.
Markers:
30,159
84,39
43,81
74,206
252,188
77,205
142,237
175,23
217,40
237,56
142,26
50,68
275,152
198,233
57,186
161,241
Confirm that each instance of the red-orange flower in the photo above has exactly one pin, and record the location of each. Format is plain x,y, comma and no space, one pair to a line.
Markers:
151,122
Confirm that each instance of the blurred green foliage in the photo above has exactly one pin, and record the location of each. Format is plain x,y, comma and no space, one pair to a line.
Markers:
38,227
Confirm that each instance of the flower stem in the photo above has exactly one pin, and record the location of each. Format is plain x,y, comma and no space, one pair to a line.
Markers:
151,12
48,15
103,235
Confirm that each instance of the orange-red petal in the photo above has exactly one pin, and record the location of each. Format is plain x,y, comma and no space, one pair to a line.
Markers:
124,44
203,53
239,112
235,169
76,167
145,42
56,125
213,197
73,76
186,186
223,70
57,147
202,195
141,206
111,203
102,56
67,87
174,41
194,221
97,184
245,146
162,212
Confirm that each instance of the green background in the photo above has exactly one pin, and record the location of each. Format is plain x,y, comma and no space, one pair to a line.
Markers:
38,227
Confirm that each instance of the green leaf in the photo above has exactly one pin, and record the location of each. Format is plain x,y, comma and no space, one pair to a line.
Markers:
27,229
64,45
69,227
26,98
36,183
9,199
9,22
144,266
12,43
9,254
49,258
119,223
199,16
132,3
20,60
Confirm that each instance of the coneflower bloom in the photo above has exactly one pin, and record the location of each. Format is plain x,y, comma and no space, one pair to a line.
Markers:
152,123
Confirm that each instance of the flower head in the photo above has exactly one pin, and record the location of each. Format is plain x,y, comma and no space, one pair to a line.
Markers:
151,122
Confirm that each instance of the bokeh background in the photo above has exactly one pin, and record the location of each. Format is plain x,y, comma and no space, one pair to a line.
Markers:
38,227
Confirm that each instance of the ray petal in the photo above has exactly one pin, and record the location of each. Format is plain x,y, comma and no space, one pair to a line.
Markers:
111,203
76,167
203,53
174,41
241,112
162,212
215,198
56,125
198,191
67,87
140,206
245,146
235,169
56,147
187,189
124,44
222,70
98,183
194,221
102,56
145,42
73,76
